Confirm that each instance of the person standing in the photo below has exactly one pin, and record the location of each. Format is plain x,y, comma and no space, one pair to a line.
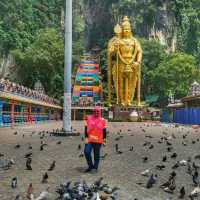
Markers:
95,136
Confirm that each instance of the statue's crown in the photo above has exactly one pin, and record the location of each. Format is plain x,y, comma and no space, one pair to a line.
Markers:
126,23
117,29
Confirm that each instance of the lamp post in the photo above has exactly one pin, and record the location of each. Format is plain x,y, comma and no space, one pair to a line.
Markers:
67,67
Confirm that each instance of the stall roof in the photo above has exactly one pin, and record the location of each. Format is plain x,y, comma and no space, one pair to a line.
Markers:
175,105
190,98
18,98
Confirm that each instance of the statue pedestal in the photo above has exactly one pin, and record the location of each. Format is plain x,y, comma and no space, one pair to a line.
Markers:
129,113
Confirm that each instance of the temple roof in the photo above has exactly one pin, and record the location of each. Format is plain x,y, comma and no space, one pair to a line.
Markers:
6,95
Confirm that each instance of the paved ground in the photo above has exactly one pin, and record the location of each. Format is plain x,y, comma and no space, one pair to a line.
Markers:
118,170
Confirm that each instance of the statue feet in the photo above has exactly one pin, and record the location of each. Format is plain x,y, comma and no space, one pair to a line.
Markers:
129,104
122,104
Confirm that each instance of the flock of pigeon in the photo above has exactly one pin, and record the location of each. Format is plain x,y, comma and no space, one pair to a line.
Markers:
191,167
191,164
101,191
66,191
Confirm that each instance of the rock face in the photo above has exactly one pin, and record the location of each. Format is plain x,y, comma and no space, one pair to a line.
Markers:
164,29
93,20
6,63
158,23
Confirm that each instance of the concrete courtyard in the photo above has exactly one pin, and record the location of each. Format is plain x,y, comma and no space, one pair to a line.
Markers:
122,170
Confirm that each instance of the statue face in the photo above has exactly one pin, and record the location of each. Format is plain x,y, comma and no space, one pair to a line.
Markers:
126,31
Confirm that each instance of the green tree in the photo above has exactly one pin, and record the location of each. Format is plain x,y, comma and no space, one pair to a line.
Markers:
175,73
153,54
20,21
43,61
188,25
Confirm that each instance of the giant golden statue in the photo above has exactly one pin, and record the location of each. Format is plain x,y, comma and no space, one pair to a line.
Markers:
124,65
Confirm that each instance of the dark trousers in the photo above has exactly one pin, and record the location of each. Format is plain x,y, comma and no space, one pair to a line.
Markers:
88,150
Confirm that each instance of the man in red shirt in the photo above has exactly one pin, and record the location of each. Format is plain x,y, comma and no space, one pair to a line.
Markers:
95,136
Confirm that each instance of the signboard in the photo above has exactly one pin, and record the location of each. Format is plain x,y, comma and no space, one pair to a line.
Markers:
110,114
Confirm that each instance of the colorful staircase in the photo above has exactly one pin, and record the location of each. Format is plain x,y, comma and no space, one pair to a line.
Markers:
87,90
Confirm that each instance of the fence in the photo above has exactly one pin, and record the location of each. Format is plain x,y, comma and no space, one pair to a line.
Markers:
187,116
17,114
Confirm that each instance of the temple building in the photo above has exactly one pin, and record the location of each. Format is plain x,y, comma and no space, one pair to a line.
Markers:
187,109
21,105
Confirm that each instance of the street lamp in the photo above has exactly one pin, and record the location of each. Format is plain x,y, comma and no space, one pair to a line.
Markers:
67,67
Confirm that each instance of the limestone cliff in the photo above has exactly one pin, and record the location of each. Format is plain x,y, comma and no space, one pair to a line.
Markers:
157,21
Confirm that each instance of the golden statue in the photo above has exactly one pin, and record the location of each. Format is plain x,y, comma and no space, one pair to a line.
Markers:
124,64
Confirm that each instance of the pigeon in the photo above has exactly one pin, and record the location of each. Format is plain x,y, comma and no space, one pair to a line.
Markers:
95,196
151,181
189,168
146,143
18,197
151,146
145,173
45,195
116,147
183,162
131,148
98,182
195,193
160,167
109,190
1,155
184,143
197,157
189,159
176,165
28,155
119,152
117,138
41,147
168,143
14,182
173,136
171,187
15,133
79,147
45,178
169,149
148,136
17,146
52,166
139,183
182,193
28,163
174,155
164,159
195,166
165,185
104,156
30,191
172,175
59,142
169,138
6,164
145,159
195,177
184,136
81,155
